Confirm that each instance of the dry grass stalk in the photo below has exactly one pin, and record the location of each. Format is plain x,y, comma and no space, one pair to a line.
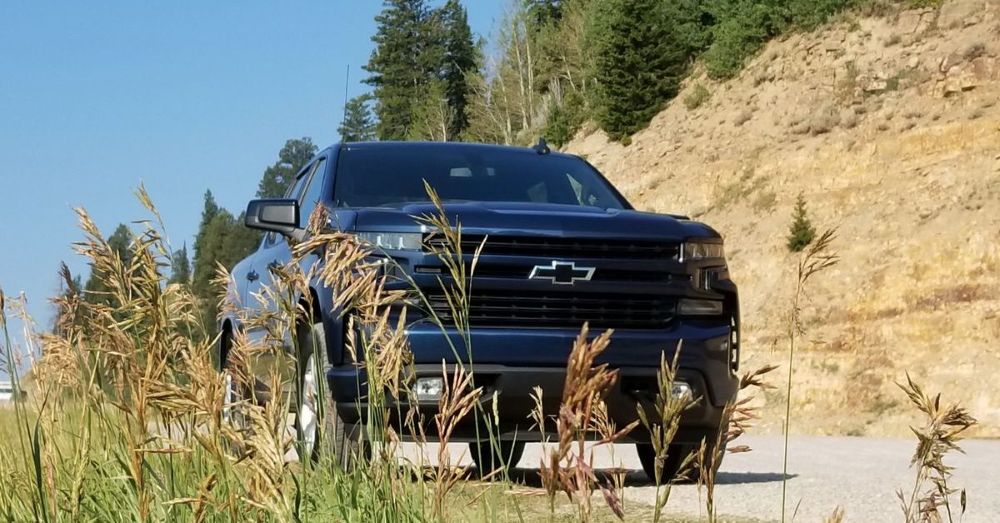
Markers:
815,259
837,516
569,468
614,488
445,242
668,408
738,415
457,400
940,434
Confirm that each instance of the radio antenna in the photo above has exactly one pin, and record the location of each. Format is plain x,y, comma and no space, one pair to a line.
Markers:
347,86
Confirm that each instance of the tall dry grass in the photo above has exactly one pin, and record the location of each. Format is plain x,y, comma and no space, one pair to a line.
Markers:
738,414
126,423
569,467
939,435
131,421
663,428
817,257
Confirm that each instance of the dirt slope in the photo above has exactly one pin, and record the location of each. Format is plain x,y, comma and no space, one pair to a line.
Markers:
890,128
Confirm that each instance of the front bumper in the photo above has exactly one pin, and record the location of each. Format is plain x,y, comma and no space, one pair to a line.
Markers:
510,363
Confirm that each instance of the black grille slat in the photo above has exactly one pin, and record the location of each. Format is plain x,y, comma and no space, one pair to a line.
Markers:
567,310
491,270
557,299
565,247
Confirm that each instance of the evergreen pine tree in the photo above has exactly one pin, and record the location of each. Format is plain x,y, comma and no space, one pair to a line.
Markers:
692,21
180,267
292,157
637,63
542,13
564,119
217,244
204,250
461,59
358,124
801,233
400,65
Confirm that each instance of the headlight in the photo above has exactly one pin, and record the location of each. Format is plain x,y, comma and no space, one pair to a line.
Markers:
392,241
702,251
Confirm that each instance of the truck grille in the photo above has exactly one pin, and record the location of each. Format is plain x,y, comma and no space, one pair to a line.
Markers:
601,274
540,246
561,309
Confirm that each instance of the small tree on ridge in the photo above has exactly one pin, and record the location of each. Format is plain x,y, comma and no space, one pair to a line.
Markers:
801,233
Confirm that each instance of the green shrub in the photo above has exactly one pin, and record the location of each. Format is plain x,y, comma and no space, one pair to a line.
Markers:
801,233
565,119
743,27
808,14
698,96
764,202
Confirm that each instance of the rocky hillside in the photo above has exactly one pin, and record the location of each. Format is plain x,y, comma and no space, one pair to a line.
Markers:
889,125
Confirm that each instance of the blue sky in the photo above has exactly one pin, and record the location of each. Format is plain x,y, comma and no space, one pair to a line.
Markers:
96,97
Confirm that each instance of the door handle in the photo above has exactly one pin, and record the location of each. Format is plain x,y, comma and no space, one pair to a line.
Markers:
253,276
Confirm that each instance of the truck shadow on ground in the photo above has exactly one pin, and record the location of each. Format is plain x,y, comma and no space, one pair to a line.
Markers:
529,477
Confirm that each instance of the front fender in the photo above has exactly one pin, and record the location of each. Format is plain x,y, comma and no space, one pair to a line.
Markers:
333,324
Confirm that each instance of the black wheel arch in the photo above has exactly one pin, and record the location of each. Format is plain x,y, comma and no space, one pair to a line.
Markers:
324,309
221,351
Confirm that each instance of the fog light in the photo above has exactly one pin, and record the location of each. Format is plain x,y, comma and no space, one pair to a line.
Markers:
681,390
428,389
691,307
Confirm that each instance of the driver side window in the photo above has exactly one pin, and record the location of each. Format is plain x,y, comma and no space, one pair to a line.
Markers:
292,193
313,194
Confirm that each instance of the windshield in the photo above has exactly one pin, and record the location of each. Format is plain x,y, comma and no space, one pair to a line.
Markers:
393,176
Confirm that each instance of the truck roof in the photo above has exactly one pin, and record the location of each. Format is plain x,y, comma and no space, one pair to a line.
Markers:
431,146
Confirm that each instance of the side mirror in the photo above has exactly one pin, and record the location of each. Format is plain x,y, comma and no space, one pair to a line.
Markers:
273,215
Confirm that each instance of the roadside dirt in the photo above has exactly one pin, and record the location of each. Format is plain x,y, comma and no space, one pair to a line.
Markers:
861,475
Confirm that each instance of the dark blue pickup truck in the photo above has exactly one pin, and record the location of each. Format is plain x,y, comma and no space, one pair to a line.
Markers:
562,247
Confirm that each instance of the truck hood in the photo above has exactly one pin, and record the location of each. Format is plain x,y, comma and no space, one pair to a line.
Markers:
533,219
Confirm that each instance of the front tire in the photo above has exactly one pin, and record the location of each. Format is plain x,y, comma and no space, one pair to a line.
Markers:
490,457
676,454
323,433
674,468
234,389
236,394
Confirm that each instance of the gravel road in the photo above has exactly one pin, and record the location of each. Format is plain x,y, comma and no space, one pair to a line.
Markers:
859,474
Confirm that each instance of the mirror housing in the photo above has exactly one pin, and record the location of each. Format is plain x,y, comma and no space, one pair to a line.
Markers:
273,215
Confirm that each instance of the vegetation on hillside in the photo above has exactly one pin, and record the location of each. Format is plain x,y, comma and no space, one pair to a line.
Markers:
558,63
